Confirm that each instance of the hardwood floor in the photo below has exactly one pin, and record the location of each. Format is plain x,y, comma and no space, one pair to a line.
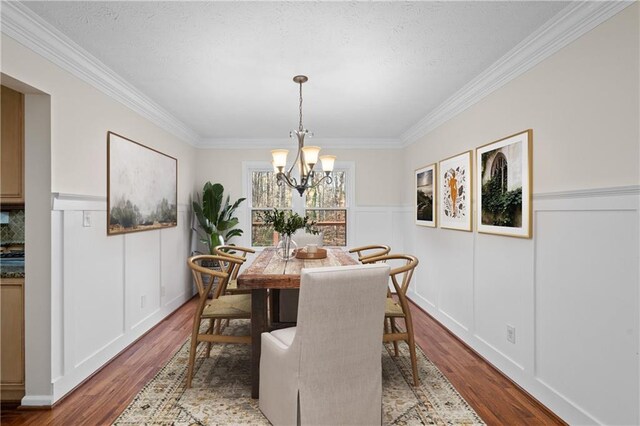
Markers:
104,396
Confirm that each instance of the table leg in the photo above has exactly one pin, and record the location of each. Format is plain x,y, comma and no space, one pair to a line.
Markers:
258,326
275,304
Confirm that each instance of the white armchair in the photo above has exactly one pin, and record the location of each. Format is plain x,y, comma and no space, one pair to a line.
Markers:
328,369
288,301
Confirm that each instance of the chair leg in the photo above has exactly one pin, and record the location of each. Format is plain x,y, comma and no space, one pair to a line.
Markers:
209,331
394,329
412,351
192,351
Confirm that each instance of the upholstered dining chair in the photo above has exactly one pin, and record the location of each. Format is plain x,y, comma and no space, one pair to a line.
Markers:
327,370
373,250
220,307
288,299
234,251
400,279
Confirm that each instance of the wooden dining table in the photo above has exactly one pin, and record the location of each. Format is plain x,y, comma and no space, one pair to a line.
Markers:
269,272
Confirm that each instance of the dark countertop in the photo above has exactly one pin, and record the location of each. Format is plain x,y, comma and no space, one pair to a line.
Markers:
12,274
10,268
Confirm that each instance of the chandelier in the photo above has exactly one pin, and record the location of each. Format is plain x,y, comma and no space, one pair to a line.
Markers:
306,158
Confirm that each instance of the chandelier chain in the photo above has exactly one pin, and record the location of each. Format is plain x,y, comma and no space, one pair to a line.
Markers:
300,125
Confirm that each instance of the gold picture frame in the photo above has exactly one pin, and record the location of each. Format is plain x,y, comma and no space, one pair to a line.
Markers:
504,173
425,200
455,192
142,187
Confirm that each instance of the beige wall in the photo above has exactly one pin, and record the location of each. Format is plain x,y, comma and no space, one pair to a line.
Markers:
574,284
582,104
81,117
66,152
378,175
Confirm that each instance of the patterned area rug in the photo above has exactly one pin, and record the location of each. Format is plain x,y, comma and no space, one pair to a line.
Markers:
221,391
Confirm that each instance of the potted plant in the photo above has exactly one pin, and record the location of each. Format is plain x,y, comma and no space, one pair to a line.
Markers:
285,224
215,217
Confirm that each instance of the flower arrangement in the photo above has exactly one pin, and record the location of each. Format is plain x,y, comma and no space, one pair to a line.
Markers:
287,223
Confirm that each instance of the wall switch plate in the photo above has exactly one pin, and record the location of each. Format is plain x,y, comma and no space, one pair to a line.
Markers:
143,300
163,291
4,218
86,219
511,334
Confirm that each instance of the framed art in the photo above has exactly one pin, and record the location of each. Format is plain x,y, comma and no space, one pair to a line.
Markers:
425,202
504,186
455,191
141,187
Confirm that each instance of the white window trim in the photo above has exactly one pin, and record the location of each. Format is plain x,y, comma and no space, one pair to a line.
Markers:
297,203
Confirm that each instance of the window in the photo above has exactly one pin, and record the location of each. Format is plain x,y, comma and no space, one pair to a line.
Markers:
327,204
266,195
499,171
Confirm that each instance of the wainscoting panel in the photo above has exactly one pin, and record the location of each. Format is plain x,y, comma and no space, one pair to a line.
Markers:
503,271
142,276
99,283
586,317
175,274
571,293
93,286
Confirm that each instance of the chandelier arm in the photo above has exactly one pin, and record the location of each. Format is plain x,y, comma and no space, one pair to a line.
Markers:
326,177
292,182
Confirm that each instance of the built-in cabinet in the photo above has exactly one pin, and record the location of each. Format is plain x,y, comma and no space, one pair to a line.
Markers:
12,339
12,384
12,147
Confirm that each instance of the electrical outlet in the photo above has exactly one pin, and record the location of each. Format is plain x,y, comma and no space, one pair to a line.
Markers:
86,219
143,300
511,334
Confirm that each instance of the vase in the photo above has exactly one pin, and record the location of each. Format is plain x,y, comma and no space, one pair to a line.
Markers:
286,248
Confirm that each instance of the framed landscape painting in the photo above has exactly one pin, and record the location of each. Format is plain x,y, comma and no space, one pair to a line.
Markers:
425,196
504,186
454,189
141,187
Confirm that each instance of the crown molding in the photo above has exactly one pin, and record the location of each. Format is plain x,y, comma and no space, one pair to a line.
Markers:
26,27
573,21
29,29
335,143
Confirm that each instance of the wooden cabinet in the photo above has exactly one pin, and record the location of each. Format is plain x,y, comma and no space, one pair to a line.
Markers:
12,147
12,338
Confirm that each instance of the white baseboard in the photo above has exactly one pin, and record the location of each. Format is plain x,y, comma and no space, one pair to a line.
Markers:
37,401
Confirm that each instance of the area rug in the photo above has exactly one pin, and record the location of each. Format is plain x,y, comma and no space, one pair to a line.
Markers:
221,391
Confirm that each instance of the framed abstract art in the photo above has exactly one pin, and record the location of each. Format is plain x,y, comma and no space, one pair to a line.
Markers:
504,186
425,202
141,187
455,192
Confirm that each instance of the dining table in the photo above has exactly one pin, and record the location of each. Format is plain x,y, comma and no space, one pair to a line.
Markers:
269,273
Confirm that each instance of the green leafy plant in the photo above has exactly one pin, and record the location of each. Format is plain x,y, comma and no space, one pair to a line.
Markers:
287,223
500,208
215,217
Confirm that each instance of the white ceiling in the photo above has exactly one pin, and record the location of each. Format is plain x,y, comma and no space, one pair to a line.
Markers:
225,69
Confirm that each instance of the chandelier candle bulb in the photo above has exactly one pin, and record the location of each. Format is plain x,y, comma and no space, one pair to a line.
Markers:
311,155
327,162
279,158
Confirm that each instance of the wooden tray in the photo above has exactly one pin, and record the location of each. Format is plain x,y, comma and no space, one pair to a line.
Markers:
320,254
